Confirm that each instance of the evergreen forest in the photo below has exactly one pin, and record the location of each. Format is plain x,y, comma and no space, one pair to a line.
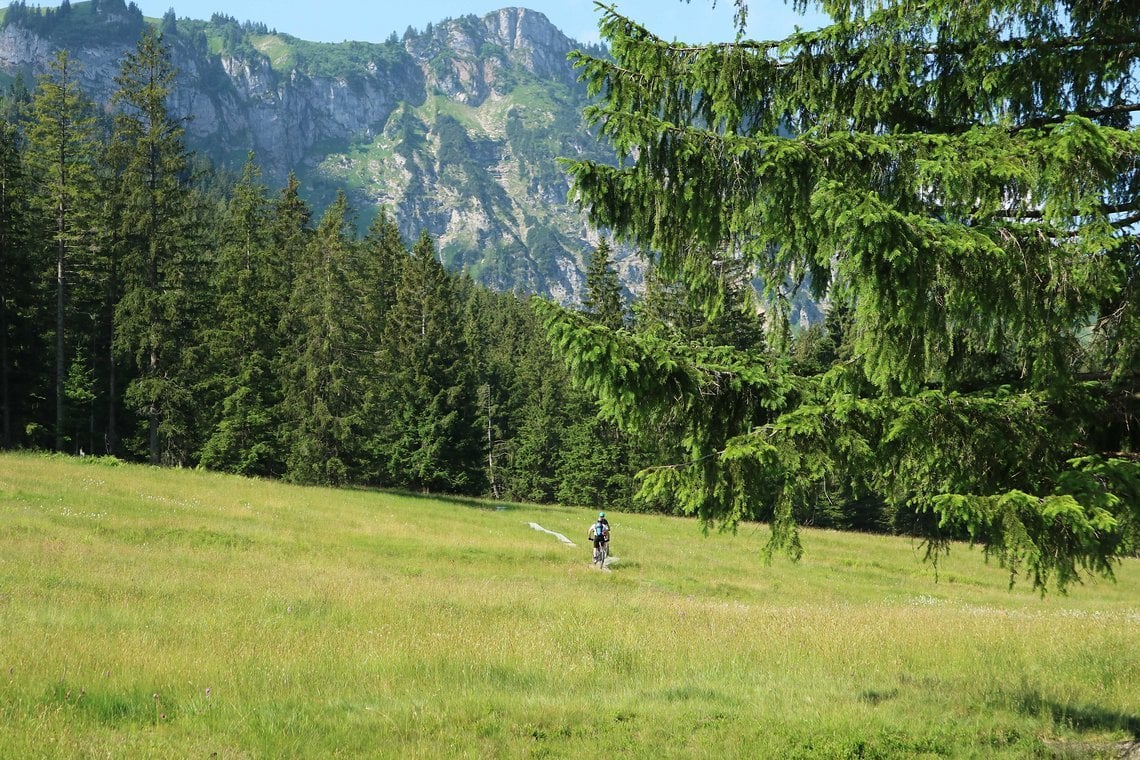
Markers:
960,186
155,309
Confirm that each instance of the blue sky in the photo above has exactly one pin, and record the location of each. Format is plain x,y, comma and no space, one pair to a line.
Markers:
374,20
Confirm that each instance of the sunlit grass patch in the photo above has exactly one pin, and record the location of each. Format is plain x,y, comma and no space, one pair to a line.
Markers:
282,56
273,620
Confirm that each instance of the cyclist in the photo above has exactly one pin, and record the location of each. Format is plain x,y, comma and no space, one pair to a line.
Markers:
599,533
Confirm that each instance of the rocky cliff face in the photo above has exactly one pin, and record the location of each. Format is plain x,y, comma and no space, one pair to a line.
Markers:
454,130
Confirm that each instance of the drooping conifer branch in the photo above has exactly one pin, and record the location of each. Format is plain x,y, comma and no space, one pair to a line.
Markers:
962,181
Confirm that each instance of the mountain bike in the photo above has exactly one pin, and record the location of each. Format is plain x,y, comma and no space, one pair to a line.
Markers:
600,553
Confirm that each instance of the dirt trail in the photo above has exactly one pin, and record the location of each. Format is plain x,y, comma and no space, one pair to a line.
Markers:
559,536
609,560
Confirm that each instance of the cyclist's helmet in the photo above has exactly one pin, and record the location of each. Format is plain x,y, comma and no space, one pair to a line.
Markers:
601,515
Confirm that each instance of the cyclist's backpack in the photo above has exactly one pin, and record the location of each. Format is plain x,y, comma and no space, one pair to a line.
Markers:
599,530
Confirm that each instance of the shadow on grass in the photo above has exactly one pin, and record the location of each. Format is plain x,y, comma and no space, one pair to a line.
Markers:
877,696
471,502
113,708
1080,717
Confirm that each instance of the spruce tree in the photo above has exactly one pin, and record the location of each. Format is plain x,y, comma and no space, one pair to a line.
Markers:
327,340
485,348
529,403
151,198
592,467
592,463
384,257
244,336
963,181
603,300
19,287
289,230
61,151
536,450
429,439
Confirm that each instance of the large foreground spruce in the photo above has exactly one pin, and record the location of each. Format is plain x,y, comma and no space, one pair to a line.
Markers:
959,181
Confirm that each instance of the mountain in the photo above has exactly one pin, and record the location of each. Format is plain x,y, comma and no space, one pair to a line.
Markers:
454,129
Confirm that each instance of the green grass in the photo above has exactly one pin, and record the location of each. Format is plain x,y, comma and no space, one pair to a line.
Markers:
165,613
282,56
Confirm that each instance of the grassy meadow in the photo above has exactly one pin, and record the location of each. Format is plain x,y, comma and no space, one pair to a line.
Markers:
152,612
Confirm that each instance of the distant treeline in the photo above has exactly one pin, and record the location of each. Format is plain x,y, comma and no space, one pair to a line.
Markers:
117,20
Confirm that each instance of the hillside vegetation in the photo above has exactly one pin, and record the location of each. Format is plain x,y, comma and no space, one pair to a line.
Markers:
371,118
177,613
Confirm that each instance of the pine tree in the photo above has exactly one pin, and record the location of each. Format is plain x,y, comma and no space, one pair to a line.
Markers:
61,154
116,363
963,180
536,450
486,347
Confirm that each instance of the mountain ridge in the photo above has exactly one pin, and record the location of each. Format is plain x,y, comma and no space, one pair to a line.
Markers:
454,129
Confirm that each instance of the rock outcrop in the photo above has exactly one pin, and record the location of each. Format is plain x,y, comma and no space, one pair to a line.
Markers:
455,129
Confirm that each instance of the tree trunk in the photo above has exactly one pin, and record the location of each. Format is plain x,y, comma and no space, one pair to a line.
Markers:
152,412
59,357
5,388
111,439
